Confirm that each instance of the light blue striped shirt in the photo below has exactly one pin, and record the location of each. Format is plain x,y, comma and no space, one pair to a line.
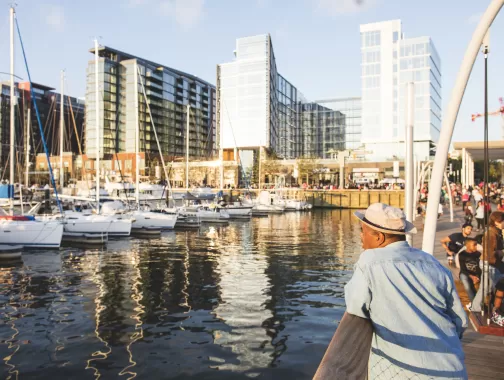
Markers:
417,315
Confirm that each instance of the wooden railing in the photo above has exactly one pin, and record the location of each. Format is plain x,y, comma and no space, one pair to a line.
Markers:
348,353
343,199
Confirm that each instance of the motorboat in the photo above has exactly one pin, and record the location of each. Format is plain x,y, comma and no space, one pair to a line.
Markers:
265,203
206,213
142,217
293,204
237,209
270,209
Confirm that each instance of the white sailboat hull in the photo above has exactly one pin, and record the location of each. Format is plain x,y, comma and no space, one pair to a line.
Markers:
120,226
90,224
146,219
31,234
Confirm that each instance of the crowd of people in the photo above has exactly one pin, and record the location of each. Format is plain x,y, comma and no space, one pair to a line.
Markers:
465,251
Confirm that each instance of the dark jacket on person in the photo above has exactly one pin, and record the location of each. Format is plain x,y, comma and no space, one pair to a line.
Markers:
494,253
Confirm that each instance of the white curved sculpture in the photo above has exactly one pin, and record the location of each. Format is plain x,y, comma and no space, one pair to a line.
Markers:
449,123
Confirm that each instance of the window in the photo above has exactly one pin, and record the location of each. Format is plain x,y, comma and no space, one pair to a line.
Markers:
395,36
371,39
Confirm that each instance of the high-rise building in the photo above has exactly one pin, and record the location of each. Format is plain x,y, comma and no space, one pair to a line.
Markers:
344,123
123,108
389,62
258,108
48,105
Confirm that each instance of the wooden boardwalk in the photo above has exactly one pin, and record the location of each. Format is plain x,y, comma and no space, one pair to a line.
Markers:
484,353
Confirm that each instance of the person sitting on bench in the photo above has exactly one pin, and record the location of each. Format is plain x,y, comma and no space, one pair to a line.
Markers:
470,271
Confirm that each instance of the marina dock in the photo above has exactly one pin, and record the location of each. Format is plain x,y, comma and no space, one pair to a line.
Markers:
483,352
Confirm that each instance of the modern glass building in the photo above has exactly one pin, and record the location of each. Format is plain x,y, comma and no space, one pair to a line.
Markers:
258,108
48,104
123,107
344,123
389,62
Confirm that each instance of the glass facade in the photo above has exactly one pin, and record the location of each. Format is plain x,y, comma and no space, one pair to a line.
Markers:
246,97
389,62
48,103
168,92
343,123
258,107
419,63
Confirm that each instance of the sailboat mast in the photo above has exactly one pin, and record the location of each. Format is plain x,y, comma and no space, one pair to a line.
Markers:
97,116
27,146
62,127
155,134
137,140
12,102
187,148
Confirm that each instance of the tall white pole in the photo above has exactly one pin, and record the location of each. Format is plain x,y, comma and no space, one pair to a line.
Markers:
468,168
464,163
97,115
472,172
447,184
415,176
12,103
137,140
341,162
410,185
187,148
449,120
62,133
27,146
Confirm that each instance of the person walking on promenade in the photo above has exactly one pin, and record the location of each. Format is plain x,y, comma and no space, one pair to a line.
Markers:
480,216
500,205
468,214
494,255
410,299
465,198
454,242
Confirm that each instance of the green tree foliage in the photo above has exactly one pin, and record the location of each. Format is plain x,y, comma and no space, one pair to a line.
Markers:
306,166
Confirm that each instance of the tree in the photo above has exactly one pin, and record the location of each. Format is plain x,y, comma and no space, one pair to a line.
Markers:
494,171
306,166
270,165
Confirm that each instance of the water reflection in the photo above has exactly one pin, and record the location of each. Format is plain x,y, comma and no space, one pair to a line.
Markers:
250,299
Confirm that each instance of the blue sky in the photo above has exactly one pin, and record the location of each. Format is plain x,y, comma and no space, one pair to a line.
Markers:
316,42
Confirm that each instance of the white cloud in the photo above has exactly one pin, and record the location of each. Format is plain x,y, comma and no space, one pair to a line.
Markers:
474,18
333,7
54,16
186,13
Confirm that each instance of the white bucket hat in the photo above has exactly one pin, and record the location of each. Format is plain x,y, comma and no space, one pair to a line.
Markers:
386,219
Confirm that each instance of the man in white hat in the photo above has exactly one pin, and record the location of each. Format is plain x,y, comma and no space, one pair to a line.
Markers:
410,298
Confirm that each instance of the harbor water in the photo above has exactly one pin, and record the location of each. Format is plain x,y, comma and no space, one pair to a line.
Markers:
255,299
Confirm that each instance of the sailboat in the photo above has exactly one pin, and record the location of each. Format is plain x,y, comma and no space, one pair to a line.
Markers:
144,219
89,220
81,226
23,230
